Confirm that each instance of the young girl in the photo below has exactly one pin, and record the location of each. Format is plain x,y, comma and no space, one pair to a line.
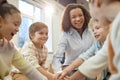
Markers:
10,20
100,33
35,50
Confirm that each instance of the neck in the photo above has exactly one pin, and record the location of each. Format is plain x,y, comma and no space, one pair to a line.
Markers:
80,31
38,45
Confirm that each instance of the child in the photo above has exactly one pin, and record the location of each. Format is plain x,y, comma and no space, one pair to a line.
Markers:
35,50
10,20
100,33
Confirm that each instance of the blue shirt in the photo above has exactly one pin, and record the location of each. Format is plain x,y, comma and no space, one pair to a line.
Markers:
72,44
91,52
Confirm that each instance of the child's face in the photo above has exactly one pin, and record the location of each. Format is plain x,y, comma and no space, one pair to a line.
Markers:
10,25
40,37
77,18
100,32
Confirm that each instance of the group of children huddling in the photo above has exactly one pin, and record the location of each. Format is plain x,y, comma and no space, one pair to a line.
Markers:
93,60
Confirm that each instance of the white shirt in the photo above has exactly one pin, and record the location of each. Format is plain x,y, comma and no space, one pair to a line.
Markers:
96,64
115,41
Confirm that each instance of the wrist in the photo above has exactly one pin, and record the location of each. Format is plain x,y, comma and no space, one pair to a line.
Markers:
66,70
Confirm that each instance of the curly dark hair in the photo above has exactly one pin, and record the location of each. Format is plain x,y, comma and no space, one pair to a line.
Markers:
66,23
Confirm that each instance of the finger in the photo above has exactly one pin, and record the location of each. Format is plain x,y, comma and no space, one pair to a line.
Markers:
61,76
16,76
56,76
66,78
20,77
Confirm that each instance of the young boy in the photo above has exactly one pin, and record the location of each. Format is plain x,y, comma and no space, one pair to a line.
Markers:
35,51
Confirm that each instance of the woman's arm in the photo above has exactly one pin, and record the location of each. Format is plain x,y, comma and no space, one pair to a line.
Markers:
59,54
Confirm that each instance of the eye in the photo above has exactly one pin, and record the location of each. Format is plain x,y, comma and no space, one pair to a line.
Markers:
80,15
46,33
97,27
72,17
41,33
17,24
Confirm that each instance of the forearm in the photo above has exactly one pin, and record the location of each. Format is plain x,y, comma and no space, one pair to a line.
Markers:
46,73
34,74
56,64
74,65
77,76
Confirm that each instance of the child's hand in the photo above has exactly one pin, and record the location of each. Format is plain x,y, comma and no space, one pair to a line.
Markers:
67,78
51,77
19,76
60,75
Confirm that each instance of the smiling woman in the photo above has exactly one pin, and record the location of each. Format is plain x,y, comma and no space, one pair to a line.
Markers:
75,36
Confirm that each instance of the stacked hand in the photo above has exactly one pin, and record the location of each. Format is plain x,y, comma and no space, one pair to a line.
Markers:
19,76
61,75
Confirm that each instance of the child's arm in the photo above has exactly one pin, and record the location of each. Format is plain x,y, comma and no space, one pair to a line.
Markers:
34,74
71,67
26,68
77,76
49,75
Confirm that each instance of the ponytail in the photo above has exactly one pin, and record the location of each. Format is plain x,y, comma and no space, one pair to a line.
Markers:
3,2
6,8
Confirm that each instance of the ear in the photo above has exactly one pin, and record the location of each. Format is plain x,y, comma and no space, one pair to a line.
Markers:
31,35
98,3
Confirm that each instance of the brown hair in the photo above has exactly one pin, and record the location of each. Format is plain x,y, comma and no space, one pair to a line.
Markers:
66,24
36,27
6,8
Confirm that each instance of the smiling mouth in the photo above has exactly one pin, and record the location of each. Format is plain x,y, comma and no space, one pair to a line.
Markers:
12,34
97,36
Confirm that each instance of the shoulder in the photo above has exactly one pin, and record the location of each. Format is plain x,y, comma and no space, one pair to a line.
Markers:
28,44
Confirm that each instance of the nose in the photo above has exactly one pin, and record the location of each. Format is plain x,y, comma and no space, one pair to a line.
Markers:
78,18
17,29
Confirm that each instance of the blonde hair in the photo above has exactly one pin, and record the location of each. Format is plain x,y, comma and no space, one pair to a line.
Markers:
91,22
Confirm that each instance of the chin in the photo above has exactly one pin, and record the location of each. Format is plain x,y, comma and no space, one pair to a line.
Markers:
98,39
9,39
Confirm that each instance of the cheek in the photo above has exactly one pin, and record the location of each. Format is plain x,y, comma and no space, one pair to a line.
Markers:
72,21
